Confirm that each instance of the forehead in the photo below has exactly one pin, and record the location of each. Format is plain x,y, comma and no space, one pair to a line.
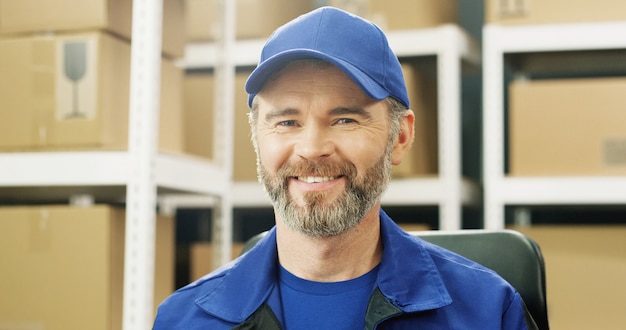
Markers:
312,78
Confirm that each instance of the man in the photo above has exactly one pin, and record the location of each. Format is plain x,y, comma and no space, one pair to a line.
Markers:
329,118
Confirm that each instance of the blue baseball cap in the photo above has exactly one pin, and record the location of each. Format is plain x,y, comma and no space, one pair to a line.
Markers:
356,46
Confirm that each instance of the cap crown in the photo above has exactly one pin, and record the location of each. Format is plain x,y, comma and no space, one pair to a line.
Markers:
355,45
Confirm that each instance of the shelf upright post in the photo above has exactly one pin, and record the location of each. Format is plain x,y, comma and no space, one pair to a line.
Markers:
224,105
448,94
493,128
145,77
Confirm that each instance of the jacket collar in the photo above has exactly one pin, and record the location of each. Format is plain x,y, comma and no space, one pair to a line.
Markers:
237,292
411,286
242,288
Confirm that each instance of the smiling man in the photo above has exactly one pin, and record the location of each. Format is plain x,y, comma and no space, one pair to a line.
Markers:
329,117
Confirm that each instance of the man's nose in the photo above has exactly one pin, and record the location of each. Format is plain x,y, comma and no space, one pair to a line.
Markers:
314,142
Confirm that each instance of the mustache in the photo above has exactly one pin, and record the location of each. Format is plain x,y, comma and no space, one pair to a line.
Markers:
325,167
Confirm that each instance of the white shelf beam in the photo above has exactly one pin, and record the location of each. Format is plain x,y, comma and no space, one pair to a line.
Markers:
428,191
564,190
557,37
191,175
421,42
204,55
250,194
63,169
430,41
108,168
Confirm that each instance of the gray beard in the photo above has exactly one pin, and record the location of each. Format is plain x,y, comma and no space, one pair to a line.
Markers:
319,218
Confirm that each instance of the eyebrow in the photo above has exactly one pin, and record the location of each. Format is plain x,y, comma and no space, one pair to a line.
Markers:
281,113
333,112
350,111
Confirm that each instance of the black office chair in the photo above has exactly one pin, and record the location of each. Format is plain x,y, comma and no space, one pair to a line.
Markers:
516,257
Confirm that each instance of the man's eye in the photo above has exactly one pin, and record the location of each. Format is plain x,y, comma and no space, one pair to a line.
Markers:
344,121
287,123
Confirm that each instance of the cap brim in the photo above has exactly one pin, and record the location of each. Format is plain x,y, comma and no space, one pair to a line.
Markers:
262,73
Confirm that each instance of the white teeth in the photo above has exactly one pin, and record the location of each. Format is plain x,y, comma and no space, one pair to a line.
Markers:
315,179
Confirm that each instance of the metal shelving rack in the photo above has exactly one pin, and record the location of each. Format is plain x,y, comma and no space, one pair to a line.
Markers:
500,189
141,173
146,176
452,47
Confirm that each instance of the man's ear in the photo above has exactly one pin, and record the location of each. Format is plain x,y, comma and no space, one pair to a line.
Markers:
404,140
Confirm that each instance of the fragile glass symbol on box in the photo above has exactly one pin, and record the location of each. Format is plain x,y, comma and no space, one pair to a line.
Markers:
75,65
76,81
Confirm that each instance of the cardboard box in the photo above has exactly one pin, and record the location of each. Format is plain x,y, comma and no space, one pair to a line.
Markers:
35,16
201,258
72,92
568,127
411,227
198,108
400,14
198,91
62,267
245,157
585,272
254,18
511,12
423,157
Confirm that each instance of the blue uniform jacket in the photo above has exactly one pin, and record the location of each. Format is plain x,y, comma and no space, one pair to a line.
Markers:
419,286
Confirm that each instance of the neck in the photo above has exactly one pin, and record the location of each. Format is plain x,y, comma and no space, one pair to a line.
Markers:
330,259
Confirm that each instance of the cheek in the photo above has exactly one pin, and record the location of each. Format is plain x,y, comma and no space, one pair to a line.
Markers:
272,153
363,152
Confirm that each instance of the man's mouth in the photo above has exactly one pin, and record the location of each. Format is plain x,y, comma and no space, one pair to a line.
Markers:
316,179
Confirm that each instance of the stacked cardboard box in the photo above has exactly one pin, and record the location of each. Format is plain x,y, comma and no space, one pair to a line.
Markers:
71,91
62,267
585,272
202,257
198,109
401,14
254,18
113,16
568,127
413,227
198,103
423,157
66,75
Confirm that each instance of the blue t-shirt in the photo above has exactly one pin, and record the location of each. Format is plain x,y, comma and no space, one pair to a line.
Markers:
325,305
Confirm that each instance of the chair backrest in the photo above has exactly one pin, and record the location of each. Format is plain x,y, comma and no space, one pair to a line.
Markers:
513,255
516,257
